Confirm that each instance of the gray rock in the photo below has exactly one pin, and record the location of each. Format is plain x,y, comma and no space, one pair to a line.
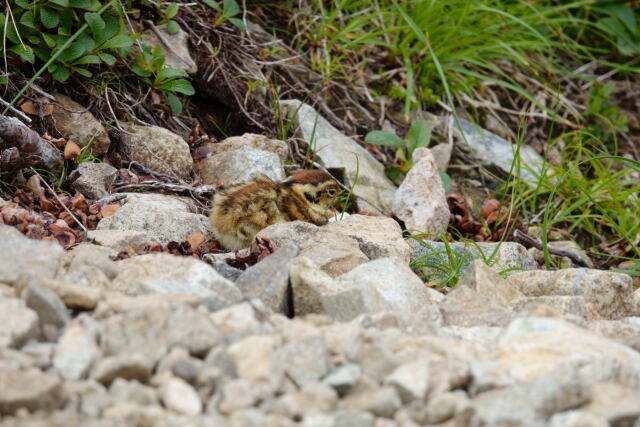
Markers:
504,257
162,218
304,359
180,397
239,165
377,236
29,389
76,353
236,395
93,179
445,406
18,323
129,366
343,378
168,274
493,150
411,380
255,360
132,391
158,149
420,201
178,55
618,405
240,320
334,256
250,140
609,293
87,257
313,397
573,305
76,123
330,146
354,419
380,285
383,402
309,284
49,307
625,331
577,419
23,255
121,240
268,280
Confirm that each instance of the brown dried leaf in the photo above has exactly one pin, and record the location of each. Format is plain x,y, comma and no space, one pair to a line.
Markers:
195,240
35,186
109,210
71,150
489,207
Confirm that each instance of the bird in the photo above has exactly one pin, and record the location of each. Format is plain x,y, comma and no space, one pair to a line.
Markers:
240,211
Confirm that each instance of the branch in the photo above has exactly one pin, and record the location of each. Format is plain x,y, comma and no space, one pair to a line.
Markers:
529,242
33,150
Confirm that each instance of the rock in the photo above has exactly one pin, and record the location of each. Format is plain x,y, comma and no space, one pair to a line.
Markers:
383,402
309,284
239,165
313,397
180,397
237,394
625,331
168,274
334,256
330,146
18,324
564,305
343,378
533,346
29,389
268,280
611,294
153,331
304,359
132,391
121,240
577,419
379,285
158,149
49,307
21,254
130,366
87,254
239,321
354,419
445,406
76,123
493,150
178,55
93,179
250,140
75,297
76,353
571,246
442,155
420,201
377,236
32,355
255,360
411,380
506,256
162,218
618,405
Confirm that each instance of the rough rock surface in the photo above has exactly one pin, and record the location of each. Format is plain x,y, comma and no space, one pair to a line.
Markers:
238,165
94,179
77,124
178,56
158,149
330,147
420,201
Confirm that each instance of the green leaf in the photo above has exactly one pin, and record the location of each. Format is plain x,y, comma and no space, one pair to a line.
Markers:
27,20
107,59
95,22
239,23
171,11
623,13
380,137
169,74
83,71
33,40
394,173
172,27
80,4
25,4
230,8
74,51
121,40
63,3
111,28
23,51
446,180
11,34
49,40
42,52
213,5
61,74
418,136
49,18
88,59
174,103
181,86
140,71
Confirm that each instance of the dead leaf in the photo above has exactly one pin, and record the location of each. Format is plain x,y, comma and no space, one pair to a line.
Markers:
71,150
28,108
195,240
34,185
109,210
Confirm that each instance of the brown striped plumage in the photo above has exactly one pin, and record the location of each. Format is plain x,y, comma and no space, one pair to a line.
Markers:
240,211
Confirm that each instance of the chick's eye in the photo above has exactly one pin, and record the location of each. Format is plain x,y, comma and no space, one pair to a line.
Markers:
310,198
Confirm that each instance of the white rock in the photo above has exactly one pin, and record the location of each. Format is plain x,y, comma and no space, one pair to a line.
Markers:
420,200
180,397
239,165
178,56
411,380
17,323
75,354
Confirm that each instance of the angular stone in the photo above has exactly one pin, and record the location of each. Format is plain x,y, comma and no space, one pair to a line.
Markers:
158,149
380,285
162,218
239,165
577,419
239,321
18,323
377,236
75,297
572,305
168,274
411,380
250,140
178,55
611,294
420,201
121,240
625,331
313,397
49,307
29,389
343,378
132,391
93,179
76,123
353,419
330,146
24,255
445,406
268,280
255,361
304,359
309,284
617,404
75,354
236,395
383,402
180,397
130,366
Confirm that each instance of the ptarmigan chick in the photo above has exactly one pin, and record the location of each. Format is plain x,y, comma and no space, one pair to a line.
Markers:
240,211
